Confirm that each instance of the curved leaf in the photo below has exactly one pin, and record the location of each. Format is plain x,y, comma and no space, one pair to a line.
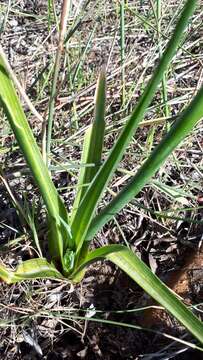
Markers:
182,126
88,205
126,260
30,269
19,124
91,257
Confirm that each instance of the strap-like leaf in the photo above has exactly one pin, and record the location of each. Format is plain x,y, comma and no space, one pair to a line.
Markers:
93,144
88,205
27,143
30,269
192,114
140,273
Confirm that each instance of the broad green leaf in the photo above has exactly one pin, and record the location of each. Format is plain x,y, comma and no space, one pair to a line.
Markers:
93,144
27,143
126,260
88,205
30,269
140,273
183,125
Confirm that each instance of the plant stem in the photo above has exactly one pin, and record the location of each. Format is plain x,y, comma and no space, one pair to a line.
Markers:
122,47
63,25
164,80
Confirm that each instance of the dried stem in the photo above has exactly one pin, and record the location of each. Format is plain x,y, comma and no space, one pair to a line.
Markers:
63,25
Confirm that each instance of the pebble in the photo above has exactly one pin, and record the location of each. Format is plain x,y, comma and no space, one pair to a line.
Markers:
13,23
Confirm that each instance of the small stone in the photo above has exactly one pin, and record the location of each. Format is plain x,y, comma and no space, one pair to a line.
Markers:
13,23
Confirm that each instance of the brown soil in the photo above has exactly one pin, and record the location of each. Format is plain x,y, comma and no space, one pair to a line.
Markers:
184,282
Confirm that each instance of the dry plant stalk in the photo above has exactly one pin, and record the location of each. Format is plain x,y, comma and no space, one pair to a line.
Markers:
62,30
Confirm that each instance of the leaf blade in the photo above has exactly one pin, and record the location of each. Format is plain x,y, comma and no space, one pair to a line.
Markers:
19,124
192,114
139,272
93,143
30,269
86,210
134,267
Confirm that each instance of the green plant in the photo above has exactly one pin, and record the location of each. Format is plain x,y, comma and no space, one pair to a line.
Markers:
70,234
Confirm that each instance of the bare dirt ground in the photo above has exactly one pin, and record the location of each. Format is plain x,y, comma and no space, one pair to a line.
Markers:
45,319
